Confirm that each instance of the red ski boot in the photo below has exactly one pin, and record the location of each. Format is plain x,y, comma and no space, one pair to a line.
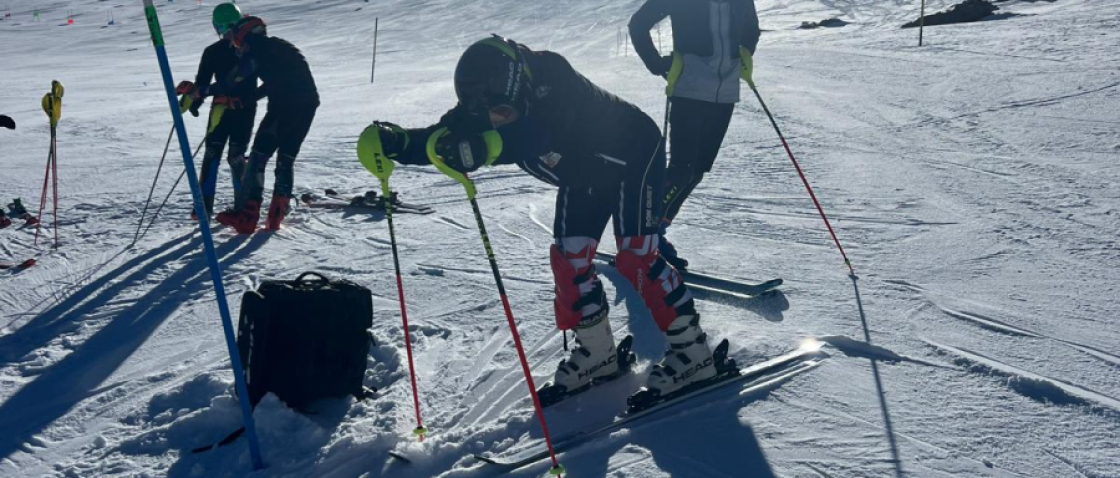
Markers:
277,210
243,221
4,221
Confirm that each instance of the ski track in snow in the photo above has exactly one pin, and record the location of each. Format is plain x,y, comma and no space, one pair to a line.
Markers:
971,181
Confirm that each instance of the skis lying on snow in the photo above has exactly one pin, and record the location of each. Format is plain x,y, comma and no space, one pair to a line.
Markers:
370,201
761,374
715,284
19,266
551,394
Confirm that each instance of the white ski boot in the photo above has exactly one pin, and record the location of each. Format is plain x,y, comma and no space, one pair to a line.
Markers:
689,359
593,357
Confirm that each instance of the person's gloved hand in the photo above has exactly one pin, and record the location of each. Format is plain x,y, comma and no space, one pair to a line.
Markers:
463,152
748,66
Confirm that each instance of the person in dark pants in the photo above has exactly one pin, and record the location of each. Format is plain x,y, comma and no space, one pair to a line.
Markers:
232,116
293,99
713,42
532,109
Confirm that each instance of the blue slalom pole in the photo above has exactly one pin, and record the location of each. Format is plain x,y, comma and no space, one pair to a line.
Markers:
207,240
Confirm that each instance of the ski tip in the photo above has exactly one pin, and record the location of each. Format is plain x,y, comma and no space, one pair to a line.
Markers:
486,459
400,457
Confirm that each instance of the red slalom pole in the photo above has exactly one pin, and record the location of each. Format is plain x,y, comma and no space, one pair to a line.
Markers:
557,469
804,180
386,198
461,178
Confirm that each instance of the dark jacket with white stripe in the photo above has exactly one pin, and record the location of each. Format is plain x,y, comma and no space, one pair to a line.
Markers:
574,133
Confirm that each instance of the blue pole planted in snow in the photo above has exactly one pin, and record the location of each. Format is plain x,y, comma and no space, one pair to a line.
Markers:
207,240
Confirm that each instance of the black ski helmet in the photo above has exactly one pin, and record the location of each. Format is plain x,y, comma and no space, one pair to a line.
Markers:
492,72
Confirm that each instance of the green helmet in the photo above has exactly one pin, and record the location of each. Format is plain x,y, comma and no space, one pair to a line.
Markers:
225,15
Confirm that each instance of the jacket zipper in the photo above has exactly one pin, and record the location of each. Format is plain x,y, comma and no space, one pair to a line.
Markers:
722,53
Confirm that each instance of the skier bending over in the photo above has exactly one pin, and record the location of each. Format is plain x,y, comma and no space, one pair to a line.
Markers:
232,115
713,44
293,98
606,157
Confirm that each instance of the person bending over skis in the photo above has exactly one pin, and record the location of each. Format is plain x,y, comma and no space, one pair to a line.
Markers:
713,44
232,115
293,98
532,109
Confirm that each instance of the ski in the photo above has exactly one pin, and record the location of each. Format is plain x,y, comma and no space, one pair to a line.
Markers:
360,203
551,394
760,375
372,198
714,284
18,266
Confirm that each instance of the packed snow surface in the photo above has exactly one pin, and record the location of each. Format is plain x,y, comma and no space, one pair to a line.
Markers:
972,181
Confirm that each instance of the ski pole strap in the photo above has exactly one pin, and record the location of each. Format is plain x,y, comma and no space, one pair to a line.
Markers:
443,167
372,155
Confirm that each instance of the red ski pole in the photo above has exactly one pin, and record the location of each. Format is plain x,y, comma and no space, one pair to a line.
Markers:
438,162
52,106
371,155
803,179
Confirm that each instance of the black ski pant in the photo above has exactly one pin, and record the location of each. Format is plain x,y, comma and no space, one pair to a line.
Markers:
625,189
236,127
696,133
281,132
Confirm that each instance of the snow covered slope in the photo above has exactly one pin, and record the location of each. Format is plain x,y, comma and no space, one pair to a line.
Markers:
972,181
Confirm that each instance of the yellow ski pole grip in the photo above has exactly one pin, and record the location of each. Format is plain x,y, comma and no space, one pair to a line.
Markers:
443,167
674,73
372,155
216,113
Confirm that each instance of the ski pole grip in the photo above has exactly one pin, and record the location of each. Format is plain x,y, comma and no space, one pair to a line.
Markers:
372,154
442,166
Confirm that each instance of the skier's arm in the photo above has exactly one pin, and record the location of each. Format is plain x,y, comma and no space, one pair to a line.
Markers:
226,86
751,30
644,19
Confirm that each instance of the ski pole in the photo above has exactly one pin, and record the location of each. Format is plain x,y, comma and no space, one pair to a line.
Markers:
155,180
557,469
371,155
46,182
803,179
169,192
52,106
216,113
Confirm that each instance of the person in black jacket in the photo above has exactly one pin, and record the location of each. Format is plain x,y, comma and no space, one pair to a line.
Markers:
713,44
293,99
532,109
232,115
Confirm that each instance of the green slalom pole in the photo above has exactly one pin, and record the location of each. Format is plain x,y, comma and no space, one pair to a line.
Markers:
207,239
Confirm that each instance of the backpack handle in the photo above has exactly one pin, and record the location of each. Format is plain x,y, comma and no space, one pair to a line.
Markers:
321,277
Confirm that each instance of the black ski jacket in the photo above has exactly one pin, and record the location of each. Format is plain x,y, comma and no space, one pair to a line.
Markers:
692,32
574,133
219,62
284,72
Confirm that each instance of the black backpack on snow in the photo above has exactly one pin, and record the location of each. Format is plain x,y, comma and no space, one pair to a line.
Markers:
305,339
